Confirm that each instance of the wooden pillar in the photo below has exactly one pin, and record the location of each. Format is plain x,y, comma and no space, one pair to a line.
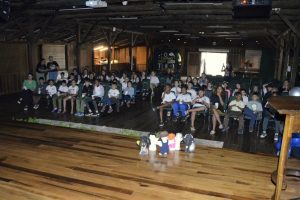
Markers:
78,46
286,56
109,53
296,61
130,52
280,59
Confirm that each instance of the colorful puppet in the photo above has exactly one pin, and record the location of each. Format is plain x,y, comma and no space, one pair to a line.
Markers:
164,146
171,141
153,142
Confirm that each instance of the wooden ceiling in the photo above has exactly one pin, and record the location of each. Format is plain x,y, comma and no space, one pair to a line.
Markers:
59,20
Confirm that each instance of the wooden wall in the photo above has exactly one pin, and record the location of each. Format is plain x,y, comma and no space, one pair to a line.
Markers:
13,66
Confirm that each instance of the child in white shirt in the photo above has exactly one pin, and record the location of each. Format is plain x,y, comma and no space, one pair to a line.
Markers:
72,94
176,89
97,96
200,103
181,104
154,81
113,98
51,92
128,93
168,98
61,94
191,90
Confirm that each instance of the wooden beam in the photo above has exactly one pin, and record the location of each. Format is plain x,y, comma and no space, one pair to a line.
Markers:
289,24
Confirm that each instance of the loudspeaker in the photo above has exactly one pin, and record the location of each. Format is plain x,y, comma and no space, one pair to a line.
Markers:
4,10
252,8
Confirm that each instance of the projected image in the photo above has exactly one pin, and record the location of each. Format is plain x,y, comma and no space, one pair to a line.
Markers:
212,63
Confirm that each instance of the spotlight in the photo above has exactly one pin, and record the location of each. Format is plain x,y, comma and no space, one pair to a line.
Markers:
124,3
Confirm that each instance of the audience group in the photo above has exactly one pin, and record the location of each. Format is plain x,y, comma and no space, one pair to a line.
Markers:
90,94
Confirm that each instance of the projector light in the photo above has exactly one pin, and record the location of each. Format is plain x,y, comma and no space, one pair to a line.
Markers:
96,4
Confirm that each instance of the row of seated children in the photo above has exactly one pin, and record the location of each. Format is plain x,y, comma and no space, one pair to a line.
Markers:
184,104
87,96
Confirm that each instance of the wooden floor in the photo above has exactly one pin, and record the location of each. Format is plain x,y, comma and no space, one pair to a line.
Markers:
40,162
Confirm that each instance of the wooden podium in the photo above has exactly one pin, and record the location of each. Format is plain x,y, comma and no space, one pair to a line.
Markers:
289,106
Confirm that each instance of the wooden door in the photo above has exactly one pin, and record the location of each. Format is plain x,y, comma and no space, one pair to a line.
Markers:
194,64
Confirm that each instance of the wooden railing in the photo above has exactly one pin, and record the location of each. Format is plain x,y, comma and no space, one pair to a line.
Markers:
11,82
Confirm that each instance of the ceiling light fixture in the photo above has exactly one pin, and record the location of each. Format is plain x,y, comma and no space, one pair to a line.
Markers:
183,34
123,18
124,3
169,31
192,3
151,26
96,4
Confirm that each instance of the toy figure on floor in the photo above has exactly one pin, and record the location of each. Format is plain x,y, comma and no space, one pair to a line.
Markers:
178,139
164,146
144,143
189,142
171,141
153,142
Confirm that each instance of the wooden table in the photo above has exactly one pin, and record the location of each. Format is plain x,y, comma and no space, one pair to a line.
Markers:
289,106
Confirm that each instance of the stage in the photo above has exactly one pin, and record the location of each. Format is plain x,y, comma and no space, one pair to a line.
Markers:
40,162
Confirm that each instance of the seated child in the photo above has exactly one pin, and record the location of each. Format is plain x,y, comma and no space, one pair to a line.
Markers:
251,110
176,88
113,98
72,94
39,92
191,90
235,108
181,104
244,96
97,96
154,81
52,92
128,93
29,86
200,103
270,113
168,98
61,94
84,99
217,108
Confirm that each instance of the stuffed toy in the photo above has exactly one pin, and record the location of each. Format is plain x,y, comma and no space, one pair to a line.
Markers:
178,139
171,141
164,146
144,143
153,142
189,142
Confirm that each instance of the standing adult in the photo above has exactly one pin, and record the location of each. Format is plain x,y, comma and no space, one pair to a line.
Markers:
41,69
53,67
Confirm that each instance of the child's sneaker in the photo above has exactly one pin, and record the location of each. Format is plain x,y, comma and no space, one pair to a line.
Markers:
212,132
110,110
221,126
19,101
161,124
26,108
54,110
81,114
276,136
103,109
263,135
89,114
77,114
37,106
193,129
59,111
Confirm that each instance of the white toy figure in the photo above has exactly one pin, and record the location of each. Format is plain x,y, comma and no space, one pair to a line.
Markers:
171,142
153,142
178,139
